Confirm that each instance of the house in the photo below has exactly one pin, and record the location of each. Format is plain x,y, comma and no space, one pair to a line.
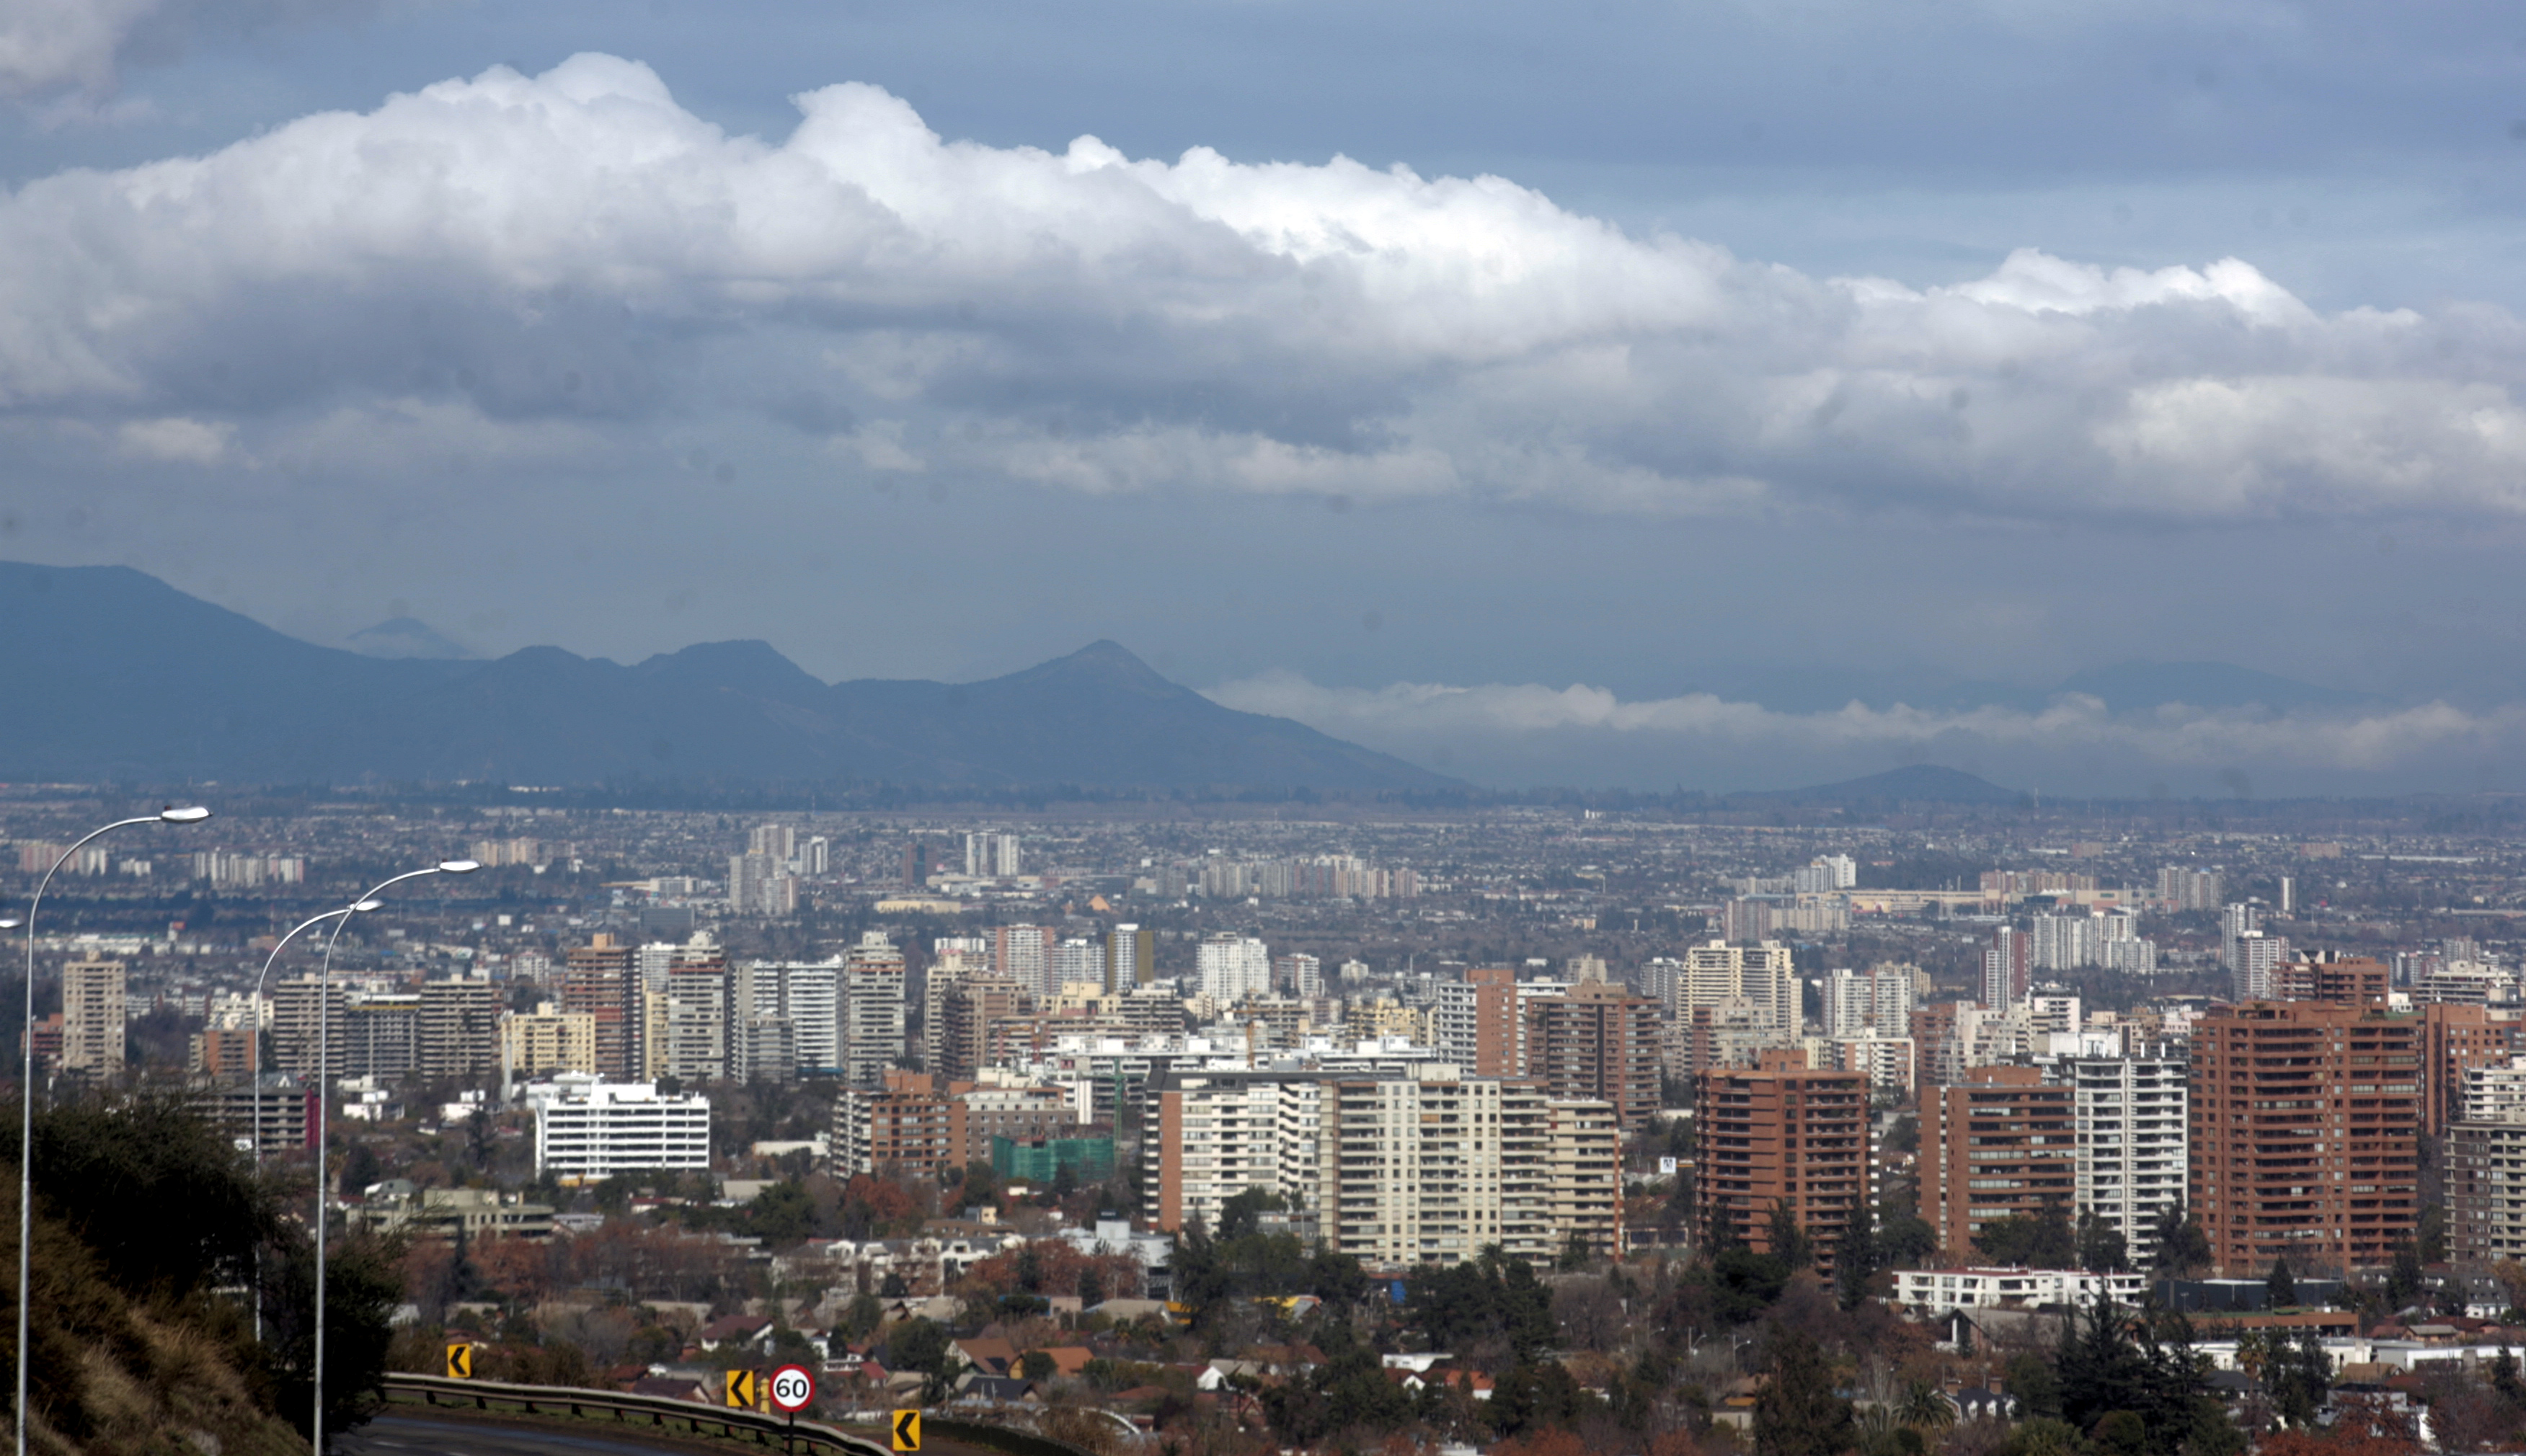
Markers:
732,1330
672,1387
1067,1361
982,1390
990,1355
1974,1403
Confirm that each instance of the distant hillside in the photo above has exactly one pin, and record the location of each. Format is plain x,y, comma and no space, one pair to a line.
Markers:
1916,784
119,676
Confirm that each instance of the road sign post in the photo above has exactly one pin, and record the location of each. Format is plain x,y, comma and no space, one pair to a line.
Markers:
460,1361
793,1389
907,1431
744,1390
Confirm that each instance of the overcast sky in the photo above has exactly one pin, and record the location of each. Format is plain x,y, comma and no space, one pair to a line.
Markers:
1702,394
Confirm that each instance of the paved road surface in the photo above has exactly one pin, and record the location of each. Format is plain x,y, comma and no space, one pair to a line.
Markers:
407,1433
400,1434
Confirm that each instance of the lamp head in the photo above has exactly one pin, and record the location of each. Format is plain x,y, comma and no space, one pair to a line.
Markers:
458,866
10,921
367,905
189,813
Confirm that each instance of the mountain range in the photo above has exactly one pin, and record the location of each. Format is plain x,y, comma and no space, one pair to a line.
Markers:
119,675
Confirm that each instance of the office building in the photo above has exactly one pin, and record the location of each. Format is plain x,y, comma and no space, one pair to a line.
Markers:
92,1019
1230,967
1782,1133
1999,1142
2306,1134
588,1129
1598,1042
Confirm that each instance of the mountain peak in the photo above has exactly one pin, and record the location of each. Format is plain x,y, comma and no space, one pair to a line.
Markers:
1105,665
405,637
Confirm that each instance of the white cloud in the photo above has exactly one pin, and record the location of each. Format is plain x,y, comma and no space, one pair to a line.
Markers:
1409,716
176,439
575,248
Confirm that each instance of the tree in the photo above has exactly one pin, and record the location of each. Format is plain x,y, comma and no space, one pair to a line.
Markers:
1789,1241
782,1214
2178,1241
2110,1359
2043,1241
1854,1260
2280,1291
923,1346
1798,1413
2102,1249
2299,1380
1091,1287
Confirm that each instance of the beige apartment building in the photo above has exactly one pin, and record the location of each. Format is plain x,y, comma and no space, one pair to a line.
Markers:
1415,1165
546,1040
92,1018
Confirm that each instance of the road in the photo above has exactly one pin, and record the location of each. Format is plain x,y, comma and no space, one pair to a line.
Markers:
400,1434
404,1431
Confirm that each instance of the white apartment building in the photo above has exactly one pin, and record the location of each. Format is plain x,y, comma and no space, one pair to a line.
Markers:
1859,1002
1893,1063
1078,962
2133,1147
806,994
1233,966
1938,1290
874,1019
587,1130
990,856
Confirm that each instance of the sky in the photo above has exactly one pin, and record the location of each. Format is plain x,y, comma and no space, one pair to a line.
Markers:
1625,393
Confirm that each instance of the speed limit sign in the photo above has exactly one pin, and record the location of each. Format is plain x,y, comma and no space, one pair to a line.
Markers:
793,1389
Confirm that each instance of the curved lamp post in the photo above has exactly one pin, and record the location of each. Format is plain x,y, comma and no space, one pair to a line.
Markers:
323,1070
189,813
254,1062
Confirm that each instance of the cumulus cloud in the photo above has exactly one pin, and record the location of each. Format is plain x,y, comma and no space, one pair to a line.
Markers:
1531,719
577,249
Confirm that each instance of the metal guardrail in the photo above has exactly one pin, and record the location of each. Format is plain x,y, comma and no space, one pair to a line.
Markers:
662,1413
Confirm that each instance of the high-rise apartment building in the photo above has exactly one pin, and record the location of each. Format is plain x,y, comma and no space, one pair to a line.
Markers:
296,1033
382,1034
874,986
1598,1042
777,842
760,885
1477,1023
2132,1140
1230,967
1024,954
1299,976
92,1018
1782,1133
805,995
2000,1142
966,1015
695,1014
1425,1166
1858,1002
546,1041
2306,1134
2189,889
1077,962
991,855
460,1028
1131,957
2004,978
2326,976
1765,973
603,981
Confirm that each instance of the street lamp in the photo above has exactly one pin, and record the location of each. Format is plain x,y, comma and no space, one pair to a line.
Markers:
323,1055
254,1061
189,813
